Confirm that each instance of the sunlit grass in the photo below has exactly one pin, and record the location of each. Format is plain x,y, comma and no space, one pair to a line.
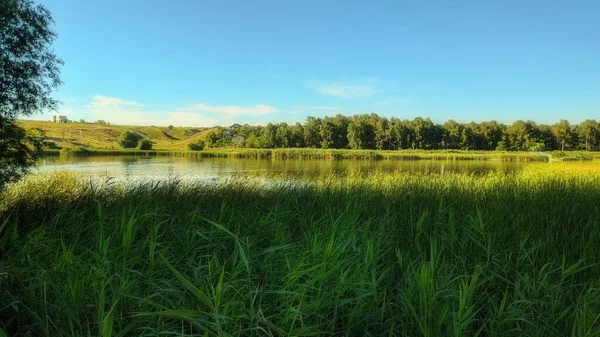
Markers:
377,254
93,136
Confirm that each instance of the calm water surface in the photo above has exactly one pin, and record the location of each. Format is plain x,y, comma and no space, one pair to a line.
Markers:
136,167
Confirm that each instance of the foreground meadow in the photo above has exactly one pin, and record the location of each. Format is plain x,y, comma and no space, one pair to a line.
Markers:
378,255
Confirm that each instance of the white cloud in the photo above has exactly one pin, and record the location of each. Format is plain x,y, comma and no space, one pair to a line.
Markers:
228,112
100,102
188,119
298,110
345,89
120,111
320,108
394,102
428,86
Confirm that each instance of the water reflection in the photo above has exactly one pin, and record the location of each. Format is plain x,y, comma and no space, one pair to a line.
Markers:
133,167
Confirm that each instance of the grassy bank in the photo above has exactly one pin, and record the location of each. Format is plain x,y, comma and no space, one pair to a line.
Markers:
377,255
292,153
104,136
575,156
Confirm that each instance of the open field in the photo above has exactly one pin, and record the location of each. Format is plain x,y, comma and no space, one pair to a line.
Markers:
104,136
377,255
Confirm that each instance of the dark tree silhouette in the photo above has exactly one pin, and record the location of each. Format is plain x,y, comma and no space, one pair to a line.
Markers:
29,72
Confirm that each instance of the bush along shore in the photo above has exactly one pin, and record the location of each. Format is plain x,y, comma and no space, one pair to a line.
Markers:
354,255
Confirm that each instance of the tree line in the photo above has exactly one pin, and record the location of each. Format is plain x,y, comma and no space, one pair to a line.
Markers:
371,131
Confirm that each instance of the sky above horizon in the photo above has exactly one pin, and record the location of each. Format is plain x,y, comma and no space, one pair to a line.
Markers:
205,63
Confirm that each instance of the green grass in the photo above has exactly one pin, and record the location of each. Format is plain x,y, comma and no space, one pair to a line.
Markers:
575,155
104,137
377,255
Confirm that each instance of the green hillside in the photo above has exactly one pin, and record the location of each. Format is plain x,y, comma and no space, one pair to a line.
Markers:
104,136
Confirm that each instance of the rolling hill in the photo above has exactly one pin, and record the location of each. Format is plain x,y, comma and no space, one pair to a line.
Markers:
104,136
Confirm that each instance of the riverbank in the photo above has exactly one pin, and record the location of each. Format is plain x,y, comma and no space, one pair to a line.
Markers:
379,254
330,154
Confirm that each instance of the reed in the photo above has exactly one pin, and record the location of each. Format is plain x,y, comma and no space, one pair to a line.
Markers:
330,154
383,254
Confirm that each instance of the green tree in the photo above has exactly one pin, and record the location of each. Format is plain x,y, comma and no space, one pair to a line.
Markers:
425,133
100,121
253,141
361,133
312,132
518,135
211,139
476,136
491,133
29,72
297,135
562,132
383,139
283,135
197,145
145,144
453,134
326,131
545,136
502,146
589,134
18,151
523,136
467,139
340,131
268,137
245,130
129,139
400,134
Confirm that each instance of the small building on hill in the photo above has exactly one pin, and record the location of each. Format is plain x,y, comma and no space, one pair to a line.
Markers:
60,119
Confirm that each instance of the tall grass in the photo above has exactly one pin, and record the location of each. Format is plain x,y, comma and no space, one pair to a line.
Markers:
353,255
575,155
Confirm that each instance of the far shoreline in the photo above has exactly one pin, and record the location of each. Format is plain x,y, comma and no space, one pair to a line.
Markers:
333,154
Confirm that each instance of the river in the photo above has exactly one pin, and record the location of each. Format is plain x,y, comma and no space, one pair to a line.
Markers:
140,168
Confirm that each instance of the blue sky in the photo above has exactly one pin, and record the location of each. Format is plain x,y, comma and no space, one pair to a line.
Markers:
201,63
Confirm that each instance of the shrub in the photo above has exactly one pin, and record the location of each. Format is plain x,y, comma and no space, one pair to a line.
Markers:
536,146
502,146
146,144
50,144
196,146
74,151
558,154
129,139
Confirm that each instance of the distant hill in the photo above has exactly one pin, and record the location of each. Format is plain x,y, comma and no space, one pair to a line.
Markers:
104,136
